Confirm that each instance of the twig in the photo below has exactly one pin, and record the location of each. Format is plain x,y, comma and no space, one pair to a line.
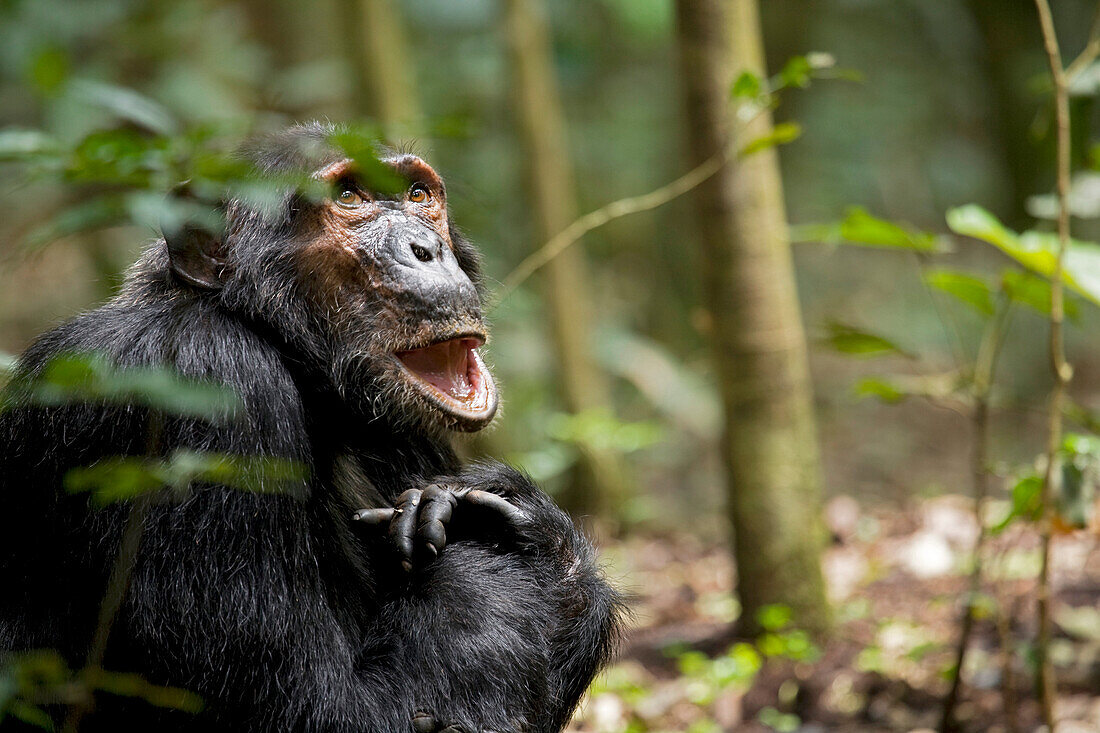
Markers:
117,585
1089,54
1062,371
946,316
1008,673
609,212
985,370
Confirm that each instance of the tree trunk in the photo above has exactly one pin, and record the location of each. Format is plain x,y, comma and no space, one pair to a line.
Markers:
600,484
770,444
383,80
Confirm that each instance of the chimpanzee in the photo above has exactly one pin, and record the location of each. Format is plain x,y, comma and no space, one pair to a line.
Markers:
395,589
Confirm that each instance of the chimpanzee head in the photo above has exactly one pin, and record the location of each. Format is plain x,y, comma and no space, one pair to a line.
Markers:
375,290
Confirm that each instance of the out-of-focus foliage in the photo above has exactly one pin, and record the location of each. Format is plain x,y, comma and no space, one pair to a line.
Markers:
34,679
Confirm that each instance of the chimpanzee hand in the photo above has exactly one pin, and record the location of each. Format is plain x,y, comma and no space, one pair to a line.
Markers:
418,523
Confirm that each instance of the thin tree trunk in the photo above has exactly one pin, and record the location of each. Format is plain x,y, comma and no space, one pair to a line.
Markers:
549,178
384,88
770,445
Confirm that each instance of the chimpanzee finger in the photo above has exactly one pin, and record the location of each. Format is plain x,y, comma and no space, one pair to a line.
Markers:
436,507
374,517
403,526
425,723
512,514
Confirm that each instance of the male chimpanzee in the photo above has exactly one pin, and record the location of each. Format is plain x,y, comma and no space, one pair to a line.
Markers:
350,329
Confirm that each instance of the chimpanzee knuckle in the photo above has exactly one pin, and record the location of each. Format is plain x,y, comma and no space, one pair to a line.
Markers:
424,723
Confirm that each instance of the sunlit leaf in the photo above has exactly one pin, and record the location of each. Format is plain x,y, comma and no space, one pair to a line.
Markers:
857,342
964,287
936,386
782,133
1026,503
796,73
21,144
1036,251
882,389
858,227
600,430
1033,291
774,616
1080,621
747,85
123,478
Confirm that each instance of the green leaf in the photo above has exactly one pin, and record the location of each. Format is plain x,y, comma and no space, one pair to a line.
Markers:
1026,502
796,73
362,144
850,340
122,478
747,85
1030,290
69,378
1036,251
126,104
782,133
29,714
882,389
964,287
774,616
598,429
1079,478
49,70
133,685
20,144
861,228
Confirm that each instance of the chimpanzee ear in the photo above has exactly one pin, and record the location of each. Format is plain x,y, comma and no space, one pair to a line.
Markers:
194,233
196,255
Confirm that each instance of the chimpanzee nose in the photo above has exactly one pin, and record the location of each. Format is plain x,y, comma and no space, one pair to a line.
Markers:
421,252
425,269
419,247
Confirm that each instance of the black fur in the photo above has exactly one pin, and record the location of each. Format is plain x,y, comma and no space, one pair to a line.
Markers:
273,608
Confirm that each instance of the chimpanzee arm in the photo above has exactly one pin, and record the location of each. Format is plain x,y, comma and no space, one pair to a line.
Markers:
503,621
585,622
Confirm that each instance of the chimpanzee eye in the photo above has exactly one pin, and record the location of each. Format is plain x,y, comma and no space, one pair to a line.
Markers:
419,193
348,196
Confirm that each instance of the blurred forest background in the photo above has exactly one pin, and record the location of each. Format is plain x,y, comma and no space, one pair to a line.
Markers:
939,104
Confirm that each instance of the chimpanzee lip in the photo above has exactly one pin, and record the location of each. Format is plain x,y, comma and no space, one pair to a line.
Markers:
451,375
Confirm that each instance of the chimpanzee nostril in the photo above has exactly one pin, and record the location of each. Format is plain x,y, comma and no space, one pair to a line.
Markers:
421,253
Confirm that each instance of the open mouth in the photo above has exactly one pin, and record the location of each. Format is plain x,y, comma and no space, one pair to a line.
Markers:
452,376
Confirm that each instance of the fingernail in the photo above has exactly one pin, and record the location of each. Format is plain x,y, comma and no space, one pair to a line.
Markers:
407,565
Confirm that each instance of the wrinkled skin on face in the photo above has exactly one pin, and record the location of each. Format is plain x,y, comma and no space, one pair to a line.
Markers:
377,290
388,272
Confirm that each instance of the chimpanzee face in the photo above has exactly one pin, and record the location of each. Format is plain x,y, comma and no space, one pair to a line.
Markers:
376,290
388,273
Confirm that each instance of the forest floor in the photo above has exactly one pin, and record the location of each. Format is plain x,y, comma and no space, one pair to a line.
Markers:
898,579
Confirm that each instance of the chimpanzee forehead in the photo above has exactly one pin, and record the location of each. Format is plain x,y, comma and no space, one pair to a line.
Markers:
410,167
